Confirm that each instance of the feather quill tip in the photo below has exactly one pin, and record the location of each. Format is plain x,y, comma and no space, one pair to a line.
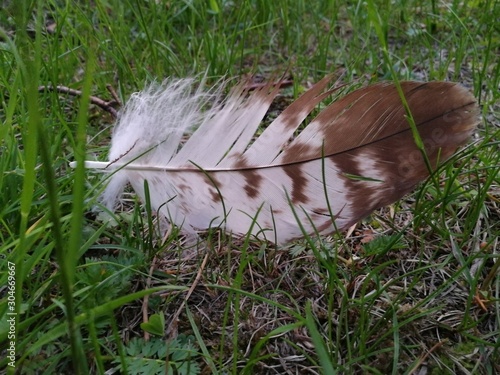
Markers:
91,164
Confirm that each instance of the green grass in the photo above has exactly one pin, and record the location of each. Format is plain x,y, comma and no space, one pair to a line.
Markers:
415,287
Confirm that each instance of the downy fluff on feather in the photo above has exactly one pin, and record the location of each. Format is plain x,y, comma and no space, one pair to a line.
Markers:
357,155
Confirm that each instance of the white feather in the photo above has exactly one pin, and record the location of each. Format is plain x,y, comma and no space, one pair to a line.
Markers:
222,176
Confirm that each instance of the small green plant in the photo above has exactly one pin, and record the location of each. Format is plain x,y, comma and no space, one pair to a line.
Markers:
155,325
159,356
108,277
384,243
156,356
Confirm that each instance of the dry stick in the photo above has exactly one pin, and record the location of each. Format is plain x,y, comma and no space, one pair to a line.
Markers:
107,106
114,94
424,357
481,302
190,291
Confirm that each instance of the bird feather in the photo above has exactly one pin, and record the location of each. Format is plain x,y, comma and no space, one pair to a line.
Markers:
358,154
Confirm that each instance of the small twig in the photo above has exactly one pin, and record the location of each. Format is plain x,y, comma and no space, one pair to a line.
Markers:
481,302
424,357
173,323
114,94
107,106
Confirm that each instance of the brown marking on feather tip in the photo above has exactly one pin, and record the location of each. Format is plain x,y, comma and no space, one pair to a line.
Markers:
454,116
449,103
253,180
397,157
299,183
446,114
376,112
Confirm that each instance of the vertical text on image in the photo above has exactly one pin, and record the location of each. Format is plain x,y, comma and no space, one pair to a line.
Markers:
11,313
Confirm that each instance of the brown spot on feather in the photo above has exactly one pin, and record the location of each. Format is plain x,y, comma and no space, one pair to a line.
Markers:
215,195
183,187
362,195
252,178
300,151
214,186
299,183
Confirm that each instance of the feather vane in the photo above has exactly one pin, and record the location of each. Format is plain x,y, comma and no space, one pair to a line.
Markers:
357,155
